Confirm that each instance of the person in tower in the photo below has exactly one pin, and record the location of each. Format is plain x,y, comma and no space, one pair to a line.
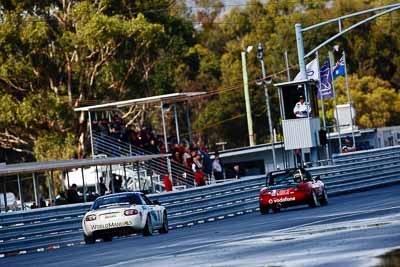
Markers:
302,109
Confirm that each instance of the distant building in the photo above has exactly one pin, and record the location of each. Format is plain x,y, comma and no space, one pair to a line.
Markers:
258,159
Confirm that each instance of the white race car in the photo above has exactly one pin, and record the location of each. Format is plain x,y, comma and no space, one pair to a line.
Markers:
123,214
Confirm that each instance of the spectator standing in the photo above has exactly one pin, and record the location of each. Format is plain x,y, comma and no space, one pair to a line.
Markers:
176,158
116,127
217,168
153,148
193,156
42,203
207,163
117,183
187,158
72,194
197,163
348,145
197,169
103,188
199,178
103,127
299,157
145,138
236,170
61,199
95,126
133,138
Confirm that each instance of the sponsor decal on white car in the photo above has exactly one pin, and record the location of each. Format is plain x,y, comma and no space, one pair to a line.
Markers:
122,214
96,227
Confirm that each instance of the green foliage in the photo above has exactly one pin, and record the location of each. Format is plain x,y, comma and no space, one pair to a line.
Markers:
8,108
54,145
377,103
220,118
55,55
24,121
371,50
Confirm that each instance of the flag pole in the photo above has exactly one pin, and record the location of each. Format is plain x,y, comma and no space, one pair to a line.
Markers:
330,58
287,66
322,102
349,99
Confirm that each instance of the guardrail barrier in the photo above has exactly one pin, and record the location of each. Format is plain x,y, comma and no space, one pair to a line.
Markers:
47,228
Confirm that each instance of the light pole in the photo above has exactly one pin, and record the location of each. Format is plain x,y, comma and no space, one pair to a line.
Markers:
247,97
300,44
265,82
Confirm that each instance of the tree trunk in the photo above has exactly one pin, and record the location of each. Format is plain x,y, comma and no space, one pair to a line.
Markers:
82,135
69,82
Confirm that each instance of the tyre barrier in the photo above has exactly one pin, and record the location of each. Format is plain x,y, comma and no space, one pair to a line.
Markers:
53,227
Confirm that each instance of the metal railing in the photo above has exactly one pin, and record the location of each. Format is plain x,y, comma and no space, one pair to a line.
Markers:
59,226
104,144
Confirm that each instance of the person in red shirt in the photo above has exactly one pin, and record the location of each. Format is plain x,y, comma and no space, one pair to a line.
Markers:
198,173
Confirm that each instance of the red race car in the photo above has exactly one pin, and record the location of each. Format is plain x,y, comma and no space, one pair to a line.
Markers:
292,187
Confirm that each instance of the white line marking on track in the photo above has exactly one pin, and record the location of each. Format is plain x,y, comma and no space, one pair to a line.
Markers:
336,216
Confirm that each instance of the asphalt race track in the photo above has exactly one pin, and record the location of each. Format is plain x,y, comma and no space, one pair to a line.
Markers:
351,231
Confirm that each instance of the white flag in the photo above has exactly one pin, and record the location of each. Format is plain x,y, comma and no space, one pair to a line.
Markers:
312,71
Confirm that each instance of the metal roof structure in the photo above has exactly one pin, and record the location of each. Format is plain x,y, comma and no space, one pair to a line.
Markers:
347,132
33,167
249,149
165,99
291,83
160,99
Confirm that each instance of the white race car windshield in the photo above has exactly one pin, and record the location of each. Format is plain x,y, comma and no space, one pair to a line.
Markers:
131,199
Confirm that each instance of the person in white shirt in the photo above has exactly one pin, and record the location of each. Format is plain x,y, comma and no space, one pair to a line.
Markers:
217,168
302,109
197,164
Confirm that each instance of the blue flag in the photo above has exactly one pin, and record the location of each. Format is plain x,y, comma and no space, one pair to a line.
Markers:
325,87
339,68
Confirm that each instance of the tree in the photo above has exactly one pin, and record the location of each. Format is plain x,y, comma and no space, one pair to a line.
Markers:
56,55
376,102
74,51
371,51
